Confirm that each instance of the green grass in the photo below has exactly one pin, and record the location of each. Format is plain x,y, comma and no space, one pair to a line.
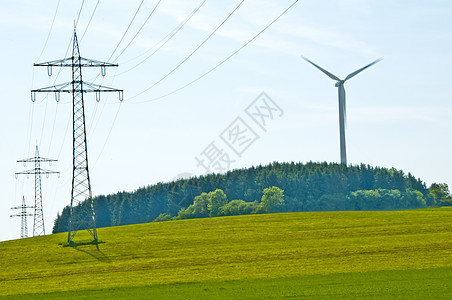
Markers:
406,284
322,255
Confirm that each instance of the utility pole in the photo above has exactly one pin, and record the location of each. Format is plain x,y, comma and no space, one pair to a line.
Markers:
23,215
38,220
81,216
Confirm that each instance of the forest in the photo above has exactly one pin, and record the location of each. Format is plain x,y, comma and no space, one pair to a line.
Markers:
277,187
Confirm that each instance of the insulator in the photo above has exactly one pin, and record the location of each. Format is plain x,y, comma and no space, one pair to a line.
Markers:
58,174
28,176
16,176
103,71
121,96
57,96
33,96
49,71
97,96
47,175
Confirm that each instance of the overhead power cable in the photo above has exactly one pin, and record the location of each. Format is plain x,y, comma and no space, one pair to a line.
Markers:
125,32
32,80
219,64
167,38
90,19
191,54
108,135
79,13
50,30
139,30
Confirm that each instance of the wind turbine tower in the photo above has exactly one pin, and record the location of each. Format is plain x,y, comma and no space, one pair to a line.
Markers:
342,106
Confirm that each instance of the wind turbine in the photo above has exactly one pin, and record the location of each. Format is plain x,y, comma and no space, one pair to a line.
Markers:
342,108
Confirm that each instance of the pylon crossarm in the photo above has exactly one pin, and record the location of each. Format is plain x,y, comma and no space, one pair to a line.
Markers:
22,206
21,215
67,87
35,159
67,62
36,172
63,87
86,62
89,87
57,89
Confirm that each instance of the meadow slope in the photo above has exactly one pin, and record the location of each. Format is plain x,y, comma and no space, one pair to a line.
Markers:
291,254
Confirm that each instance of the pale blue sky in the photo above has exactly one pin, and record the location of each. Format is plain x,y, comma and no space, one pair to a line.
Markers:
399,111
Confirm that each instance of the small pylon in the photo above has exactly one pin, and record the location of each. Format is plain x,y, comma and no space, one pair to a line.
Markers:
23,214
38,220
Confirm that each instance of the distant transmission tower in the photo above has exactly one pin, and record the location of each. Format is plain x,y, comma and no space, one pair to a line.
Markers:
23,214
38,223
81,216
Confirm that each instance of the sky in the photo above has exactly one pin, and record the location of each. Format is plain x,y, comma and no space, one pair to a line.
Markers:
187,90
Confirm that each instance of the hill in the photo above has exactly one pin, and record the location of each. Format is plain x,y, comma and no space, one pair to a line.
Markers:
306,187
395,254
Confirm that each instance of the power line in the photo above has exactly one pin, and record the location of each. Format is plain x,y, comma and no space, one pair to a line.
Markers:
193,52
29,128
30,120
43,122
147,19
64,137
116,48
108,135
125,32
167,38
79,12
90,19
219,64
53,128
50,30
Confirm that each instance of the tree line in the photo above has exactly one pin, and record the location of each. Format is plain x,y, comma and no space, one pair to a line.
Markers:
298,186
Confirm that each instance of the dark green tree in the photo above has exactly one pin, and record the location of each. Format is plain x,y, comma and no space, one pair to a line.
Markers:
440,192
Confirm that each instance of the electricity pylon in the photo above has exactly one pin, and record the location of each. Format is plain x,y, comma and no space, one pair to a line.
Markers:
38,220
81,216
23,214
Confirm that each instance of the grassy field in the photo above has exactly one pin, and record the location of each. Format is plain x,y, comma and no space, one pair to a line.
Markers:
398,254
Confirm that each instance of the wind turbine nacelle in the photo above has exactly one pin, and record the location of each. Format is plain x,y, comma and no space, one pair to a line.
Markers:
339,83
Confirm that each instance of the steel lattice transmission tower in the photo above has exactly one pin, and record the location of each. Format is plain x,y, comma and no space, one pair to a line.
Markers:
23,214
38,220
81,214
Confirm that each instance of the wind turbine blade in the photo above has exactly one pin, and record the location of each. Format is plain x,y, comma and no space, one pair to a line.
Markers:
332,76
362,69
